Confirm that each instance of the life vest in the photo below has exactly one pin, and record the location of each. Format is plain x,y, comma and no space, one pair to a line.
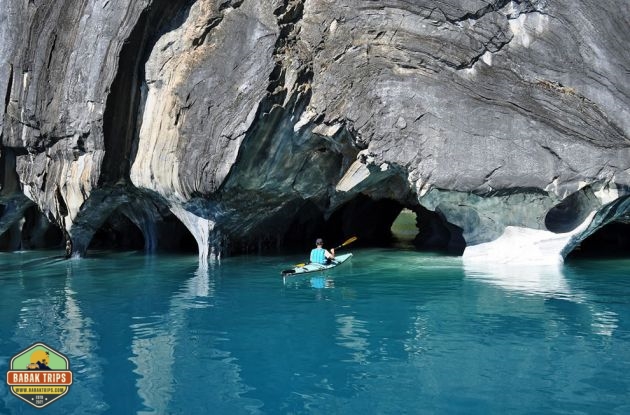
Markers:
318,255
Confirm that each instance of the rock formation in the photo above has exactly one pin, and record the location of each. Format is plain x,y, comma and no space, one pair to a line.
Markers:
265,123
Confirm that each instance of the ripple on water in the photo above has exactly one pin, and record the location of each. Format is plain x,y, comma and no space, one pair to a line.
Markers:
390,332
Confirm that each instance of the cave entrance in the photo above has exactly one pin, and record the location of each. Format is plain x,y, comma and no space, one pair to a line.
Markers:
427,231
610,241
38,232
174,237
368,219
118,233
377,223
32,231
436,234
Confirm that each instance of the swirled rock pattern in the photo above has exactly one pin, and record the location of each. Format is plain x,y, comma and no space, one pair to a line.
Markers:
257,123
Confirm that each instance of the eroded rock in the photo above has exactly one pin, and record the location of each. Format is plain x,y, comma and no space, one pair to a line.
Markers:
240,116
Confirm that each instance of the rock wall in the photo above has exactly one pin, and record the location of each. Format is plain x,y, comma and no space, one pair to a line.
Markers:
266,122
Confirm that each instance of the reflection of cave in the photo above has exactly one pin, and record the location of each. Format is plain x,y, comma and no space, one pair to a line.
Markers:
612,240
118,233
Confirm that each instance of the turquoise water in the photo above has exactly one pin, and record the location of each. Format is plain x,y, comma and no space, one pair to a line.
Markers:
391,332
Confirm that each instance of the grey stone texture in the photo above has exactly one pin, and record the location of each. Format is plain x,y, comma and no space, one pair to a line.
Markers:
251,116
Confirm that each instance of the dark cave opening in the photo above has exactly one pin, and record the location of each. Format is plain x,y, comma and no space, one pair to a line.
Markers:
38,232
10,238
32,231
436,234
118,233
173,236
377,223
370,220
569,213
610,241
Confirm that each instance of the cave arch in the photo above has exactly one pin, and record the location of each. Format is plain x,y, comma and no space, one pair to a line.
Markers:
117,233
371,221
123,231
38,232
610,241
174,236
571,211
437,234
368,219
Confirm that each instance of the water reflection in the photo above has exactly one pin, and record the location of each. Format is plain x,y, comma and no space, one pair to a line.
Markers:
158,339
322,281
353,334
545,280
79,341
155,339
51,313
153,348
415,344
604,322
318,281
200,285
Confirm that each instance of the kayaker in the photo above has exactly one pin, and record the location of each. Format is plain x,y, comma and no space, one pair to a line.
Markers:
320,255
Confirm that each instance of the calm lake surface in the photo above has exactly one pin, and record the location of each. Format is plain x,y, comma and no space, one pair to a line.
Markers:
391,332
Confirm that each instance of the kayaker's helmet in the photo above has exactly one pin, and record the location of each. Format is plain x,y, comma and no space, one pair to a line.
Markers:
319,241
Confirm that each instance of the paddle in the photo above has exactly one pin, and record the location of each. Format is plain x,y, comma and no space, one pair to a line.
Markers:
347,242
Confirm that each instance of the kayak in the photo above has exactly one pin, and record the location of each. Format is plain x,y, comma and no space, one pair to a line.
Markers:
313,267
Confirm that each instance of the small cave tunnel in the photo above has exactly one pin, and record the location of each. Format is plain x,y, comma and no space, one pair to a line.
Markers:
376,223
610,241
173,236
436,234
33,231
38,232
571,212
119,233
368,219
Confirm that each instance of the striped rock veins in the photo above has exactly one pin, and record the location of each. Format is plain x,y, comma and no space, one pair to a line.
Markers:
256,124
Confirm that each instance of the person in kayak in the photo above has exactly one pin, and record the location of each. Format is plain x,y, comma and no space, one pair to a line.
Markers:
319,255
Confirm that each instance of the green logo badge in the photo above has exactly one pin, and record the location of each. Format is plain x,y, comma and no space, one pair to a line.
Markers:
39,375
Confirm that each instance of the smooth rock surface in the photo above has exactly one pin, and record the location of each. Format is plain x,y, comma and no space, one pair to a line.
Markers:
269,122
